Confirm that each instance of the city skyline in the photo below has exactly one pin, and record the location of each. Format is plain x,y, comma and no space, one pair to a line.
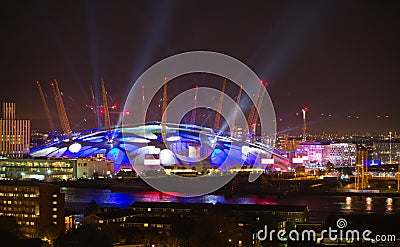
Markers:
299,48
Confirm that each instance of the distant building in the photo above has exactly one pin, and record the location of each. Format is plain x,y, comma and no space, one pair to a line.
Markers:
287,143
237,131
342,153
14,134
385,153
32,204
335,153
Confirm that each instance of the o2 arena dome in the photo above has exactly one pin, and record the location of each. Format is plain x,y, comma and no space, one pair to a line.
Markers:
154,144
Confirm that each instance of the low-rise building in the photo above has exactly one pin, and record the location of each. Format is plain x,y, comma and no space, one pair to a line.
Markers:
36,168
94,167
55,168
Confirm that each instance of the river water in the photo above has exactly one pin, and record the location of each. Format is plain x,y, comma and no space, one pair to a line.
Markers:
320,206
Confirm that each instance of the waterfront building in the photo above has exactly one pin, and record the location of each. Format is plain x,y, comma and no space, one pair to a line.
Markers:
335,153
41,169
32,204
341,153
14,133
55,168
94,167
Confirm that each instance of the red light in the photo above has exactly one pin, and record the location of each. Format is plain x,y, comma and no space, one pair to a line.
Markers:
349,116
357,117
305,108
142,86
197,86
322,114
126,112
101,111
330,115
165,78
387,116
281,120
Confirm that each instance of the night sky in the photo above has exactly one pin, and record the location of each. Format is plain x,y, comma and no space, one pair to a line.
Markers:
336,57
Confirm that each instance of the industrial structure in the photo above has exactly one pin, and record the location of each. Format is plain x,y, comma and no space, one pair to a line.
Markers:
14,133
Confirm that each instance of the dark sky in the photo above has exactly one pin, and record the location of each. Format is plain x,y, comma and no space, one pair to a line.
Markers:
336,57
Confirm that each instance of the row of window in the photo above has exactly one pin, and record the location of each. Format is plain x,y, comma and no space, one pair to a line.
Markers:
19,215
23,189
25,203
17,195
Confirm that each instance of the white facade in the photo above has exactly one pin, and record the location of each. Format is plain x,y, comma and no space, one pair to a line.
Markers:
87,168
342,153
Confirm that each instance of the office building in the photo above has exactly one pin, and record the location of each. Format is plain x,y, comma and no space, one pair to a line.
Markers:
14,133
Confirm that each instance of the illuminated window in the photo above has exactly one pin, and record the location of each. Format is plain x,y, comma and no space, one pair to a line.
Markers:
32,223
149,209
55,216
54,209
55,195
146,225
55,202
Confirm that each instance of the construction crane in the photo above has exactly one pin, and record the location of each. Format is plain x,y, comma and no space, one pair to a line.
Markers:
62,113
94,105
236,108
221,99
253,108
46,109
193,118
107,122
259,104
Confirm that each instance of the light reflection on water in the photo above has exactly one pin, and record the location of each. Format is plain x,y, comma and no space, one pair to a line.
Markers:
320,206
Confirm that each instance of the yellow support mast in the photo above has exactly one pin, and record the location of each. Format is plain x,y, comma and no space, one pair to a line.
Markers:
107,121
61,110
221,99
46,108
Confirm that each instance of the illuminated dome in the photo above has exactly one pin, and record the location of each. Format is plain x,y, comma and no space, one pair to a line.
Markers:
184,144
